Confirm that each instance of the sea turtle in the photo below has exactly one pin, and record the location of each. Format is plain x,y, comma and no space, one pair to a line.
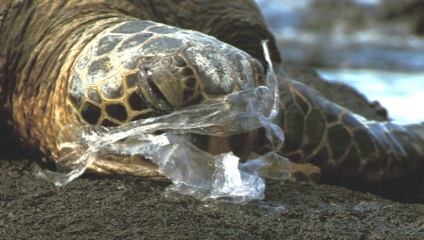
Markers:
108,62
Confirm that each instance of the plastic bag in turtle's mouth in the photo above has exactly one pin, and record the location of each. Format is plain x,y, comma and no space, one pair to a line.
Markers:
191,170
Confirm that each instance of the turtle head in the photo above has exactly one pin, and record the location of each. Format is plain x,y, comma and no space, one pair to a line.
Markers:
139,69
197,72
200,71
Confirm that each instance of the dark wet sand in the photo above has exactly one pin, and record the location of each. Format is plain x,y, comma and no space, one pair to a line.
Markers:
116,208
127,208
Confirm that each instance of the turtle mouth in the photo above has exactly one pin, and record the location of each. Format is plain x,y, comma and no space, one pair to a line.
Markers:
239,144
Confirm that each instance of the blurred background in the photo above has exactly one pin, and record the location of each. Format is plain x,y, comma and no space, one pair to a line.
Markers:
376,46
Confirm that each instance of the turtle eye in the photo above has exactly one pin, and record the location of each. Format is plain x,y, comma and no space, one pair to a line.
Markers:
150,92
148,73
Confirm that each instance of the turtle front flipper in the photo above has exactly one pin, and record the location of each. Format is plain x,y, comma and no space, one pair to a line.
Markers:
344,145
131,165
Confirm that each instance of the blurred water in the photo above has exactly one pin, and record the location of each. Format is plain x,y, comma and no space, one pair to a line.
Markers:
383,61
401,93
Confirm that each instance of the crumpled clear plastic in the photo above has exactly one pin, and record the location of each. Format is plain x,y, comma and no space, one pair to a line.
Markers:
191,170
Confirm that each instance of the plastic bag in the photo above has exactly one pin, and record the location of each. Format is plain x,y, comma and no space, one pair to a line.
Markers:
191,170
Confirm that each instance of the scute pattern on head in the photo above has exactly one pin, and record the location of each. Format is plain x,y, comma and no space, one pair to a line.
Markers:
140,68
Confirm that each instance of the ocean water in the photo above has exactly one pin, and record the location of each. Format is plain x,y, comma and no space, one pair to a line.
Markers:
382,60
402,93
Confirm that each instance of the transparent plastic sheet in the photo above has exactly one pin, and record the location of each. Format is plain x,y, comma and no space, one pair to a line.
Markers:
191,170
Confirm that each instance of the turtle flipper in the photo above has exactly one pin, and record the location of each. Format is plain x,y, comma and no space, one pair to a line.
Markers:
342,144
305,173
131,165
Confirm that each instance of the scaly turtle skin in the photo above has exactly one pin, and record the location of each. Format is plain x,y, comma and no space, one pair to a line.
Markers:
110,62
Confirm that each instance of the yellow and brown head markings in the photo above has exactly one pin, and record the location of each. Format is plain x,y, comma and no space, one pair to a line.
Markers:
139,68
